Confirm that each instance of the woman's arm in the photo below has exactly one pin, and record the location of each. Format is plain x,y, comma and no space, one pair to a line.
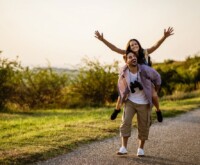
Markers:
108,44
167,33
118,103
116,110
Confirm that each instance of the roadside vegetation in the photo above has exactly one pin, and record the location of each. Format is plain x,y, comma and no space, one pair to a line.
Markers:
92,84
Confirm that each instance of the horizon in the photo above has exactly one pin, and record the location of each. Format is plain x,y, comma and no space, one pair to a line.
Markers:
121,63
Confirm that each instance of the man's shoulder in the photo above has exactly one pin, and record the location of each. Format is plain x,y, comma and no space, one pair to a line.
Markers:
147,69
123,68
144,67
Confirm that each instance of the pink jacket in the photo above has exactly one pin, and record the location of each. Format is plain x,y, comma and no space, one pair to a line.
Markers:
148,76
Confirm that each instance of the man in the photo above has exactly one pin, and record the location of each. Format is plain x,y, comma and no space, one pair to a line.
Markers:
135,89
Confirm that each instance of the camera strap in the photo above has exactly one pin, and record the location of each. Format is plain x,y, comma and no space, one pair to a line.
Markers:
132,73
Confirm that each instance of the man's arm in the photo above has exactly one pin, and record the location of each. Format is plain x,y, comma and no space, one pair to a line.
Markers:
108,44
167,33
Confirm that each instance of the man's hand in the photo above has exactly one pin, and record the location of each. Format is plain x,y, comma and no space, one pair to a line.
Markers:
98,35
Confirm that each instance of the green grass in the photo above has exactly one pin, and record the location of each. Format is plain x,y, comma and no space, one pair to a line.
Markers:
40,134
27,137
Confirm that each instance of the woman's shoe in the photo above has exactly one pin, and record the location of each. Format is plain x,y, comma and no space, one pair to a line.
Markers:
159,116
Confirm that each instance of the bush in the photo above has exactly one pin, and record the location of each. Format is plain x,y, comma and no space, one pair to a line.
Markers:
9,71
30,88
95,84
41,88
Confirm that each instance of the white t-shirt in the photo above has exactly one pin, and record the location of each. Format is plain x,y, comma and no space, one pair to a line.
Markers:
138,96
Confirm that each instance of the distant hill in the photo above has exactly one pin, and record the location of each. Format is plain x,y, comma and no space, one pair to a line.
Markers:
61,70
189,63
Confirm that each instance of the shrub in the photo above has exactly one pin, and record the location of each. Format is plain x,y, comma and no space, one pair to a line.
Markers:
95,84
41,88
9,72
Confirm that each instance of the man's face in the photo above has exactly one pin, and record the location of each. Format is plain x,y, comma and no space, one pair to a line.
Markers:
131,59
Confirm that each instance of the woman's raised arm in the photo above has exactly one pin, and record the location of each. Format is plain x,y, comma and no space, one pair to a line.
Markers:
108,44
167,33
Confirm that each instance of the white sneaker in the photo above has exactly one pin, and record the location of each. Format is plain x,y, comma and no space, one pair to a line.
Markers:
140,152
122,151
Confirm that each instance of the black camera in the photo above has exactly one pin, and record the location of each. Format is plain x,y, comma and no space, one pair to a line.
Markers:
136,84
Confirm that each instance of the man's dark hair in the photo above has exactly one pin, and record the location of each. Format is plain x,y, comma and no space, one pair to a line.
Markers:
127,52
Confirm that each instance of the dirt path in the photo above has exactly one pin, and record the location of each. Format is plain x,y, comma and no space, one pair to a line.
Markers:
176,141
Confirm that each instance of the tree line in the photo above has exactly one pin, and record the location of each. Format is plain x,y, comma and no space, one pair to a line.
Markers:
93,84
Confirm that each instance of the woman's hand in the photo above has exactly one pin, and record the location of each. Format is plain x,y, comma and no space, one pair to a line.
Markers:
98,35
168,32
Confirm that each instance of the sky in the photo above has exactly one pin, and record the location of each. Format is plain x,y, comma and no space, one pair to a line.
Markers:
61,32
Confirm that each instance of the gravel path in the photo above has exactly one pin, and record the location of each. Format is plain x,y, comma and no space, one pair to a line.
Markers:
176,141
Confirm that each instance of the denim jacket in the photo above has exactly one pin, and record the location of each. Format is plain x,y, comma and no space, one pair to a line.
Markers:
148,76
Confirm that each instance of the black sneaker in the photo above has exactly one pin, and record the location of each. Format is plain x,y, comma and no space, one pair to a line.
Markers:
115,113
159,116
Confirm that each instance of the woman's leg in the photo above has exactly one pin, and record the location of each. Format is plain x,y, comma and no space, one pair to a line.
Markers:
118,104
155,99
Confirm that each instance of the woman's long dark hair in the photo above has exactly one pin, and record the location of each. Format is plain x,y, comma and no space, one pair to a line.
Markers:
141,58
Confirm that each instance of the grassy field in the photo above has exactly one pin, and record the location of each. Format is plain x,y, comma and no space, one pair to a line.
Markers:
27,137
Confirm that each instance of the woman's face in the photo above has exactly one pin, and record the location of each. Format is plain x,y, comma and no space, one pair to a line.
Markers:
134,46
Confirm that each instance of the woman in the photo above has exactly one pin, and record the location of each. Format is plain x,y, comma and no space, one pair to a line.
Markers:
143,58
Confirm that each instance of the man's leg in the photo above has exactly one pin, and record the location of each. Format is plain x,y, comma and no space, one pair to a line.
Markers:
143,119
141,144
123,148
125,128
125,141
140,150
